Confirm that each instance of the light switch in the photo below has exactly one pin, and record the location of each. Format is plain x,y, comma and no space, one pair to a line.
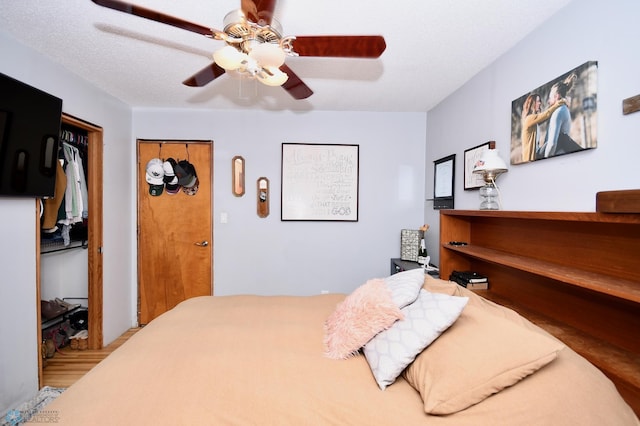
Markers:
224,217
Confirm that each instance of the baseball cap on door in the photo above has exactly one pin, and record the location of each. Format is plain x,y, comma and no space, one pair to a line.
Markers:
187,177
155,176
185,172
192,188
171,184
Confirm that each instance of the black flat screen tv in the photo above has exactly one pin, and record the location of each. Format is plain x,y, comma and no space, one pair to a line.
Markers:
29,139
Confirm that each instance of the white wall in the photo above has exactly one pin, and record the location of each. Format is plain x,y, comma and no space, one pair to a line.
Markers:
18,322
268,256
480,111
57,282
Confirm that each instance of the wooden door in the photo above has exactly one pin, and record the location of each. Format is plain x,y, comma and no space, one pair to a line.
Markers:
174,231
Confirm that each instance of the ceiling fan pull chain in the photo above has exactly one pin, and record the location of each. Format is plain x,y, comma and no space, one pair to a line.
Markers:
160,151
186,147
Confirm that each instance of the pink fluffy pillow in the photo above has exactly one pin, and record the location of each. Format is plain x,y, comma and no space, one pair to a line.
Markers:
358,318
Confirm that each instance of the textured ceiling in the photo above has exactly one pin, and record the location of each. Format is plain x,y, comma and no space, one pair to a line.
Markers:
433,47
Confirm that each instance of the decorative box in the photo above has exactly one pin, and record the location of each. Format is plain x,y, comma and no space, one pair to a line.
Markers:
409,244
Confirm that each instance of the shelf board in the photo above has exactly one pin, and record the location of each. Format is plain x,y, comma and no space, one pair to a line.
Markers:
44,324
618,287
57,245
595,217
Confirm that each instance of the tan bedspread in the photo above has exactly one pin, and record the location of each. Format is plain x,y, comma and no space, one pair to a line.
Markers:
256,360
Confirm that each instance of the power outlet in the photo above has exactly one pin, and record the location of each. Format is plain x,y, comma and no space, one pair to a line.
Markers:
324,291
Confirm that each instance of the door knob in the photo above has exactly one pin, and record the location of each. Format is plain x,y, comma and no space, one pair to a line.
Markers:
202,244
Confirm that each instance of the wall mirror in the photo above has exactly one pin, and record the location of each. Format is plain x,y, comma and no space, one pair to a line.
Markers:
237,176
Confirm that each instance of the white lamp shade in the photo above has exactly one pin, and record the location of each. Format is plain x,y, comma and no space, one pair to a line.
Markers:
267,54
490,161
229,58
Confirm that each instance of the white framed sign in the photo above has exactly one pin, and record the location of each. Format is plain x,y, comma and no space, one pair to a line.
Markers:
319,182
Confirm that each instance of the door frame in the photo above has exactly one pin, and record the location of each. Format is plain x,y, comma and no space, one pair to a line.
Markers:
94,238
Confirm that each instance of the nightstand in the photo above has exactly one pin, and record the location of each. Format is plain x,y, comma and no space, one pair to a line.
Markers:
399,265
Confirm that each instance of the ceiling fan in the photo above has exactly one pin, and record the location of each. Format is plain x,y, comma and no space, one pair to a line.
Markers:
255,46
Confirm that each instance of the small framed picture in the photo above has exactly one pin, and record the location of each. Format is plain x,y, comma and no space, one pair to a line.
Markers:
471,157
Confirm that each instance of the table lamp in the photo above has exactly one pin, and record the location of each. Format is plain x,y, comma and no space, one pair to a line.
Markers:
490,166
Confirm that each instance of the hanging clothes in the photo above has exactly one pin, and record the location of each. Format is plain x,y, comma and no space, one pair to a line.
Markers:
76,198
52,205
66,214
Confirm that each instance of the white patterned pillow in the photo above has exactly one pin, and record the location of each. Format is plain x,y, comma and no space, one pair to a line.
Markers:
405,286
392,350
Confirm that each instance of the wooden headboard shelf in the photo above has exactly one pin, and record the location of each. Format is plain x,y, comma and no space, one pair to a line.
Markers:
577,275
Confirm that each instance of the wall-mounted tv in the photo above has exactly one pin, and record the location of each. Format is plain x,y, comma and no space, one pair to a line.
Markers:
29,139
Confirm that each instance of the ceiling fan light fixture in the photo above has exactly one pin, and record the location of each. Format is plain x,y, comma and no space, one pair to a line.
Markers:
253,27
238,27
229,58
272,76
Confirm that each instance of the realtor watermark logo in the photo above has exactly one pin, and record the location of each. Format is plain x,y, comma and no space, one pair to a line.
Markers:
13,417
17,417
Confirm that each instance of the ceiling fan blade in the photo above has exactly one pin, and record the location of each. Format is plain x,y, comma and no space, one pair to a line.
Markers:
205,76
258,11
143,12
294,85
340,46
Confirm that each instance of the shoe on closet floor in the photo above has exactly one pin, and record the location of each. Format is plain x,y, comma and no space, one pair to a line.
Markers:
80,340
50,309
67,305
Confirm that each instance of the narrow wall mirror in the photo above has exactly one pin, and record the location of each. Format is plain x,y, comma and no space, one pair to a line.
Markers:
237,178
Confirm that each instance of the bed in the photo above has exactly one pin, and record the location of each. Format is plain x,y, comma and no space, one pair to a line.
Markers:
266,360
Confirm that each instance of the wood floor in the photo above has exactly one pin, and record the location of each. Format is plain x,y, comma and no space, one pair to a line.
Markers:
69,365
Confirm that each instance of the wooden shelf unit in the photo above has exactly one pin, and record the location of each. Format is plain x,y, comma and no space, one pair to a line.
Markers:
577,275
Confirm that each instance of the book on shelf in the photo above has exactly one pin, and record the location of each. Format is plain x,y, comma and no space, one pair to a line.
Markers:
478,286
469,279
470,276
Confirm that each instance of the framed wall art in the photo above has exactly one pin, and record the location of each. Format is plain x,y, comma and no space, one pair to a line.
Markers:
319,182
556,118
443,182
471,157
262,197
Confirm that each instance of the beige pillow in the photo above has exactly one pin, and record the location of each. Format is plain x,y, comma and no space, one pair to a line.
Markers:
436,285
479,355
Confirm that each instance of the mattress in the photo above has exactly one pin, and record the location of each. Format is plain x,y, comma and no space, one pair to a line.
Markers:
260,360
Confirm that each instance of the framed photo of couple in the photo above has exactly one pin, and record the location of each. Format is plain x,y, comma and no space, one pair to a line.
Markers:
557,118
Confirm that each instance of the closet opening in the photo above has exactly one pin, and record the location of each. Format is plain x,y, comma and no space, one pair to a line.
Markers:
69,243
